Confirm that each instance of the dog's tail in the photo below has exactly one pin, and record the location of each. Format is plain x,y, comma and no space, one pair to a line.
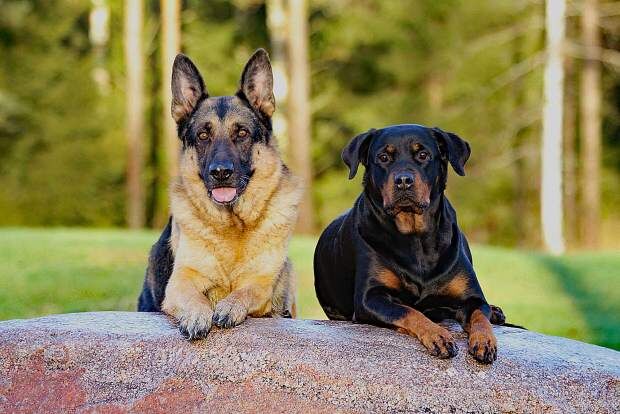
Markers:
510,325
498,318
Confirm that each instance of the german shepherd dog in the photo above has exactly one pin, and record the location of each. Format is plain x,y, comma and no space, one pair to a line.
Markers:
398,258
223,254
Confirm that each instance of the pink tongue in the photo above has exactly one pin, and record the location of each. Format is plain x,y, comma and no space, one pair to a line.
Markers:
224,194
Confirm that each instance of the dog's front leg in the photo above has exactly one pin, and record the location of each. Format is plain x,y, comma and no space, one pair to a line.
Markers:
251,296
252,289
482,342
186,302
376,304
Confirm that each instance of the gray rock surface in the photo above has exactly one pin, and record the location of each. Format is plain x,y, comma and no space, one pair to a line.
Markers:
137,362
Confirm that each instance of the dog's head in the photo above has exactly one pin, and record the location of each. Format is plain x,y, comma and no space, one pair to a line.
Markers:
224,129
406,165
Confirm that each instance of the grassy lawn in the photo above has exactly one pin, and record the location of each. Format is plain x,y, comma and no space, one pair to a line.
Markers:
62,270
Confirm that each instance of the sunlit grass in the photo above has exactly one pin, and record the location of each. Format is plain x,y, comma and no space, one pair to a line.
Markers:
61,270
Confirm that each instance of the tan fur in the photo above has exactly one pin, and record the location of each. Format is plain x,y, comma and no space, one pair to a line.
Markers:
421,189
481,337
232,260
408,222
457,287
434,337
388,278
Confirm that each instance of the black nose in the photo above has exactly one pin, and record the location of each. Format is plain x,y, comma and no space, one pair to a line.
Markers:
403,180
221,170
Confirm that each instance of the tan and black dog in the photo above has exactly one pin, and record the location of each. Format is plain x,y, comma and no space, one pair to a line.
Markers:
223,254
398,257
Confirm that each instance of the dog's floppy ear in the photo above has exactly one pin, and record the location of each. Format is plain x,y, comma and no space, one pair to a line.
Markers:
257,83
187,87
454,148
356,151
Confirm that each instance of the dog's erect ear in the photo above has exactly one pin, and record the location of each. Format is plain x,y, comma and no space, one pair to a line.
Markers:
187,87
356,151
454,148
257,83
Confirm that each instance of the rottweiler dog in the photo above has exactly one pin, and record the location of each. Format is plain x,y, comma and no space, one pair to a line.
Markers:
397,258
223,254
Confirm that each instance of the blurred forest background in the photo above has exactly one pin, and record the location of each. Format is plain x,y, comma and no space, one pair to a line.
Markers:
84,109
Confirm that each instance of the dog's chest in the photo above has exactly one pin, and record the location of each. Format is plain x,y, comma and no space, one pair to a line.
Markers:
420,293
220,256
411,289
229,252
235,251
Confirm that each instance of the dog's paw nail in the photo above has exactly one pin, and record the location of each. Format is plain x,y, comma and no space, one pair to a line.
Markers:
216,318
449,350
473,350
195,326
184,332
227,315
453,349
483,352
440,344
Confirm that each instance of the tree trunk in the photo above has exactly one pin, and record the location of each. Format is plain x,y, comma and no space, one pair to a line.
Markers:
135,112
170,47
570,162
299,108
551,154
99,34
590,126
277,27
520,174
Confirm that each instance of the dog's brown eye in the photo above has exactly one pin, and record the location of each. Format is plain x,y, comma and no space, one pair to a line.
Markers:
423,155
384,157
242,133
203,135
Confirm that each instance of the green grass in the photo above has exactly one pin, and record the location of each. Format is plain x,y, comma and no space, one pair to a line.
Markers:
61,270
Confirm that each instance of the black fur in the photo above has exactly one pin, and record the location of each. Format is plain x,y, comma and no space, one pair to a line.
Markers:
366,239
158,272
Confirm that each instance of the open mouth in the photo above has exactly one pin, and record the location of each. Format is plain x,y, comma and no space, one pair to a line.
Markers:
224,195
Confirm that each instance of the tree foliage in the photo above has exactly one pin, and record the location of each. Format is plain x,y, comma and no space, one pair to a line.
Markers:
473,68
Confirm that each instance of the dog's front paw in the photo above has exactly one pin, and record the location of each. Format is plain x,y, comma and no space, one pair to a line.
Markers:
439,342
195,323
483,347
229,313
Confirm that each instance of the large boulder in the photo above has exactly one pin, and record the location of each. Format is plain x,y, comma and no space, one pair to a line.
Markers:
138,362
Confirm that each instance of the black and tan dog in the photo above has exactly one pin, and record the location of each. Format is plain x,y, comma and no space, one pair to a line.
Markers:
398,258
223,255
